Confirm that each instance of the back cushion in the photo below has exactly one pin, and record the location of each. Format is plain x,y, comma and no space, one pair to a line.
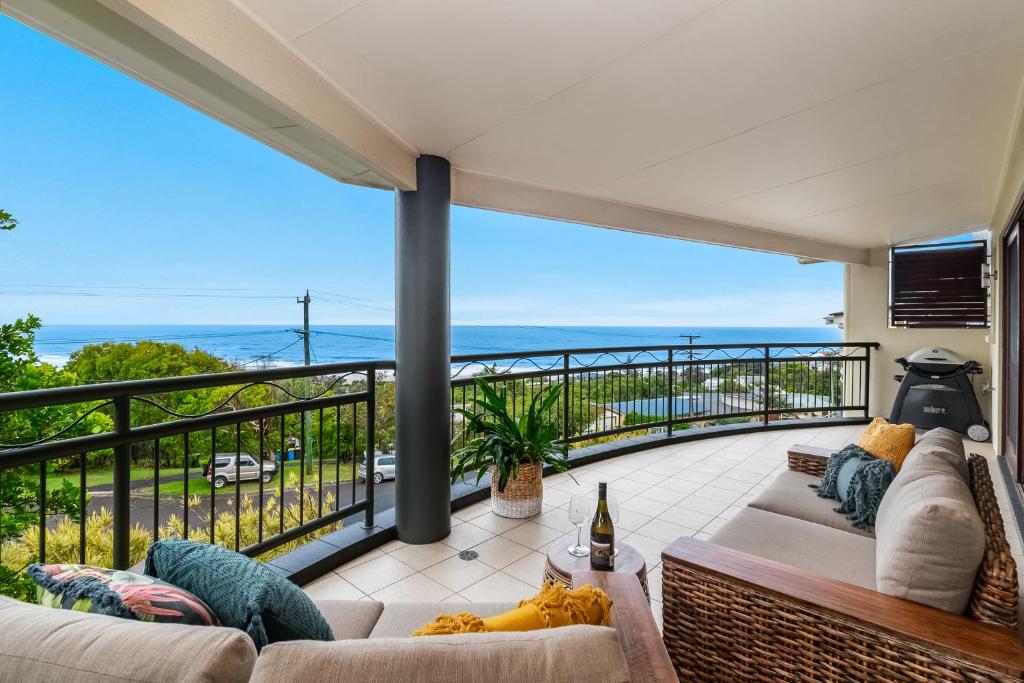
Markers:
558,655
46,644
940,444
930,538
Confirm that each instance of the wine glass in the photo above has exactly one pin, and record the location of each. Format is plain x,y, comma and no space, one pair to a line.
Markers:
579,514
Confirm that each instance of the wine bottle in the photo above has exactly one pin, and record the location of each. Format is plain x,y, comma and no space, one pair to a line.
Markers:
602,533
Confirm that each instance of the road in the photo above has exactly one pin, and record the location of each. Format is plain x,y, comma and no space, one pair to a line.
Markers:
143,506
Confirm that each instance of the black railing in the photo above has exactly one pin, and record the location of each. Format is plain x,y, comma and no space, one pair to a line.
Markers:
170,454
297,433
609,392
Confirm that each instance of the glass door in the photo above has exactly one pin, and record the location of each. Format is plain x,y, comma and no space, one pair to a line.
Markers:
1012,349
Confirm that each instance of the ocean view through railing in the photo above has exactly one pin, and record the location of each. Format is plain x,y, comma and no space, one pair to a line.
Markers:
262,461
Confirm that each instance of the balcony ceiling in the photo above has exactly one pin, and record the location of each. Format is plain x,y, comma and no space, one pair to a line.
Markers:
851,124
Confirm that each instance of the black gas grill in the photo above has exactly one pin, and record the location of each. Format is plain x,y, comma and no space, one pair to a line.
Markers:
937,391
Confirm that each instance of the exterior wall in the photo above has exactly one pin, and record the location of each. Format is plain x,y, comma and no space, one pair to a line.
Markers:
867,319
1010,197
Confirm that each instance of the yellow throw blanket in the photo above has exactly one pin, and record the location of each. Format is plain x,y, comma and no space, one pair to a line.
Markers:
554,606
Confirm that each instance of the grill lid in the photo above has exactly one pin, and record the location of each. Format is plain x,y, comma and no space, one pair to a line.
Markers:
935,355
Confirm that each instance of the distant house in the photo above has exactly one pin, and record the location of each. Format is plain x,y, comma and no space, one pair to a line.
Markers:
835,319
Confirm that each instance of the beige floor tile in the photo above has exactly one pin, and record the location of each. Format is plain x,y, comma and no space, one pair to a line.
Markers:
466,535
705,505
644,505
332,587
532,535
629,520
648,547
556,518
714,525
680,485
415,588
422,556
665,468
392,546
654,583
627,487
662,495
647,477
499,587
500,552
719,495
528,569
475,510
736,486
376,574
496,524
366,557
456,573
556,497
665,531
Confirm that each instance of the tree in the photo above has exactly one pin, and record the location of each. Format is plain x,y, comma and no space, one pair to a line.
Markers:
7,221
19,487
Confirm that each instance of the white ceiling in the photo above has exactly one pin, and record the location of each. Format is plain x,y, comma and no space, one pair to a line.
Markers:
858,122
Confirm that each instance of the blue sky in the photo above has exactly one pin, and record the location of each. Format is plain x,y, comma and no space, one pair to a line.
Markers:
118,186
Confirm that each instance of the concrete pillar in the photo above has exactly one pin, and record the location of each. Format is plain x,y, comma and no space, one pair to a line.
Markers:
423,354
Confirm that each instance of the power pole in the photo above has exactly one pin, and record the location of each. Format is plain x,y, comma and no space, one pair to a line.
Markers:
307,421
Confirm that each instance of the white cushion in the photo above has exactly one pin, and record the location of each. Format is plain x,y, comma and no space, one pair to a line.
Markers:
930,538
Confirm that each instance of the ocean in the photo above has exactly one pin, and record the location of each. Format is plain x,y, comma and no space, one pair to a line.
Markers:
279,345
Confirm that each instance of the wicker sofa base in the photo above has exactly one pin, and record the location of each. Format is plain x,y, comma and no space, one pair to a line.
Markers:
718,630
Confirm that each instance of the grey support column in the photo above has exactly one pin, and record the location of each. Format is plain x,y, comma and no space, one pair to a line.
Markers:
423,354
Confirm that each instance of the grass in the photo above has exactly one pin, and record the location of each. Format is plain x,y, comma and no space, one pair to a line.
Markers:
98,476
201,486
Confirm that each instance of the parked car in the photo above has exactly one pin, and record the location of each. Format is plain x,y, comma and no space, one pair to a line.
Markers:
248,469
383,467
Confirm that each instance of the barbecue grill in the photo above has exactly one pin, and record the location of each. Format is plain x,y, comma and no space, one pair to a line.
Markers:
937,391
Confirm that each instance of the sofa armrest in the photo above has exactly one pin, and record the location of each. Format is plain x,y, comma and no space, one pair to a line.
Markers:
809,459
634,624
728,614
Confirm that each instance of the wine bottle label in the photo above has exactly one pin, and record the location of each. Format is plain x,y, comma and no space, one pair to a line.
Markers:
602,555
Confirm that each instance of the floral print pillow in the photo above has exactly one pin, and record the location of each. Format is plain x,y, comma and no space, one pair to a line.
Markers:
119,594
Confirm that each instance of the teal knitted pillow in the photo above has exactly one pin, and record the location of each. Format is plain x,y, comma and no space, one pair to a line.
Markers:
845,475
242,592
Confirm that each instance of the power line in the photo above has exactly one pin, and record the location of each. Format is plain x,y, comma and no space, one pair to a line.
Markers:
168,337
152,289
272,354
142,295
353,336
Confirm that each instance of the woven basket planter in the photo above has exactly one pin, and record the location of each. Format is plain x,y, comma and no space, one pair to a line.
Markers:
522,496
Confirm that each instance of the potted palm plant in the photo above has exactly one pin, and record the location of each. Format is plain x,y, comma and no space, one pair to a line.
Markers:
514,451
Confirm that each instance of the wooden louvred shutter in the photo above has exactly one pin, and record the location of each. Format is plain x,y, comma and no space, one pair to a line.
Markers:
939,285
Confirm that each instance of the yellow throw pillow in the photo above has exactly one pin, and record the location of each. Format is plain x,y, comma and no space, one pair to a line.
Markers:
888,441
554,606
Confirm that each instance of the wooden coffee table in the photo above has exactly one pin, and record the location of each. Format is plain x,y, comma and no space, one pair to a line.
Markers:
561,565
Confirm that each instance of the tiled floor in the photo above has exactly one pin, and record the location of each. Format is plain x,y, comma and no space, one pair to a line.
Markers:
685,490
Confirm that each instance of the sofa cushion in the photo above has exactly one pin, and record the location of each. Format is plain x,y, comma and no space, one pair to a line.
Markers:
938,446
790,494
930,537
350,619
400,619
887,441
822,549
558,655
43,644
118,593
244,593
